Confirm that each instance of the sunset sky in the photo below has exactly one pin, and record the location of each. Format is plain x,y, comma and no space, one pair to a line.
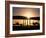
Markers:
28,12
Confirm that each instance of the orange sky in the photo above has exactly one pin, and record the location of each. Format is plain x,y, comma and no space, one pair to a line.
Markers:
32,12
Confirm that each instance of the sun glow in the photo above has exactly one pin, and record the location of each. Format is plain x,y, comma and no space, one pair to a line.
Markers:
28,14
28,17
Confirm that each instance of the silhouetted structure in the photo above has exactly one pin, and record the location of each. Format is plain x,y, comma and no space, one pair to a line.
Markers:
17,23
35,18
19,17
25,18
36,24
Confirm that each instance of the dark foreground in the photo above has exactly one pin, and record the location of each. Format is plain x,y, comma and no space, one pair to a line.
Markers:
15,28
